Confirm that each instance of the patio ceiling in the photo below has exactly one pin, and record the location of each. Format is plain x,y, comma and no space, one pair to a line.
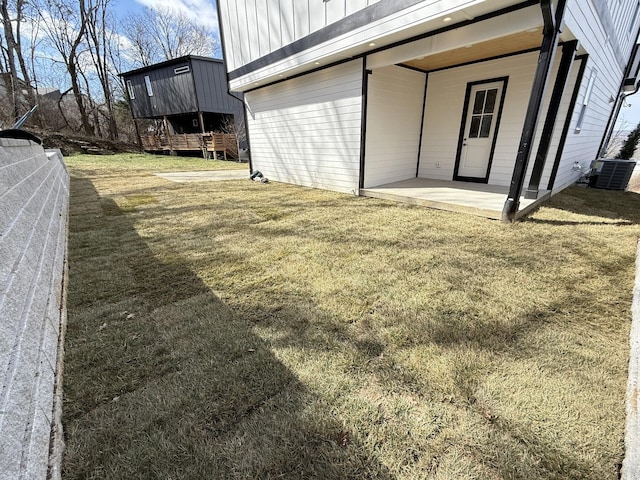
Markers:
478,51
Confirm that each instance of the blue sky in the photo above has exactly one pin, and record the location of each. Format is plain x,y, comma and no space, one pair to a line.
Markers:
201,12
630,115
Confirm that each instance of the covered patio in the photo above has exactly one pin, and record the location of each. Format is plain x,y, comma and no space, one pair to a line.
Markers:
465,120
465,197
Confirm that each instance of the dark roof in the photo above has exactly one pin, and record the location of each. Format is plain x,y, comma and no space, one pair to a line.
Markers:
170,62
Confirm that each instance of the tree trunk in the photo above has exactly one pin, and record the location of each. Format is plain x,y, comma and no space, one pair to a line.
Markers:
11,61
73,72
31,95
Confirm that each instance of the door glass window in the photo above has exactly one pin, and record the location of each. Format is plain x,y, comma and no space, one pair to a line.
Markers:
491,100
486,126
475,126
482,116
479,102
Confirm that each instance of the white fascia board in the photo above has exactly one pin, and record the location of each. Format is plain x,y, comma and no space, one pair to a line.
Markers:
417,19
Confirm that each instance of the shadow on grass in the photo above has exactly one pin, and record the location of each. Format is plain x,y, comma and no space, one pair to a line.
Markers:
618,207
520,441
510,449
163,380
188,390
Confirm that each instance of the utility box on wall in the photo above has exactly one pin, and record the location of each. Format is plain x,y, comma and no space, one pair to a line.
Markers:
611,173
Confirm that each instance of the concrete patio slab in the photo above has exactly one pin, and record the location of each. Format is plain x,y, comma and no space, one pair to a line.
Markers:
465,197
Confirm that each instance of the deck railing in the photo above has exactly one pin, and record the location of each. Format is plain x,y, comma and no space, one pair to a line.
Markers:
225,143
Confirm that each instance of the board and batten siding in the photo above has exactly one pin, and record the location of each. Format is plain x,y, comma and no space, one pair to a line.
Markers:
172,94
394,112
306,130
210,79
256,28
337,38
624,16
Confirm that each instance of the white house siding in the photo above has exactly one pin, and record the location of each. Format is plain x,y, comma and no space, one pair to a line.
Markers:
306,130
446,94
559,124
619,17
258,27
582,146
244,39
445,102
394,111
622,16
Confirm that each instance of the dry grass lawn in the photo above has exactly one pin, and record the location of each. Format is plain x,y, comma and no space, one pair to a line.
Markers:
237,330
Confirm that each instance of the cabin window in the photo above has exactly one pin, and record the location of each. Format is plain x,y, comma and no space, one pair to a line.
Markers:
147,82
585,101
179,70
132,93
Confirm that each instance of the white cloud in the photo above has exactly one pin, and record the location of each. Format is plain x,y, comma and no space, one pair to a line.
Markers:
201,12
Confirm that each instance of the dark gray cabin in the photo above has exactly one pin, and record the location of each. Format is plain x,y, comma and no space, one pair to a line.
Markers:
189,93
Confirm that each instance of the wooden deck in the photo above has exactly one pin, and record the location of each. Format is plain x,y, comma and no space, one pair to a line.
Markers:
473,198
206,143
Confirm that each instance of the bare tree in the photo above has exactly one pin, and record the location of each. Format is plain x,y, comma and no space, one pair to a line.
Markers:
146,50
100,40
617,139
162,34
65,24
13,12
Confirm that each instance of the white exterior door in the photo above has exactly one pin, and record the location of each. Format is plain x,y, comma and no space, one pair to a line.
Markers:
480,129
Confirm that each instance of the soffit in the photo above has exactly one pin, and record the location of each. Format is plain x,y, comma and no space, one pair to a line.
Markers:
470,53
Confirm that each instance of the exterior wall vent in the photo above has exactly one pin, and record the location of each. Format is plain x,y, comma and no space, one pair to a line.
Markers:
179,70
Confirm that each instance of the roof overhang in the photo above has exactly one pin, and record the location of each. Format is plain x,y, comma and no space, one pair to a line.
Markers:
166,63
422,21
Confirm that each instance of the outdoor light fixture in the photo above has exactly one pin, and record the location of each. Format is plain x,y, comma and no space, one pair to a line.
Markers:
447,19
